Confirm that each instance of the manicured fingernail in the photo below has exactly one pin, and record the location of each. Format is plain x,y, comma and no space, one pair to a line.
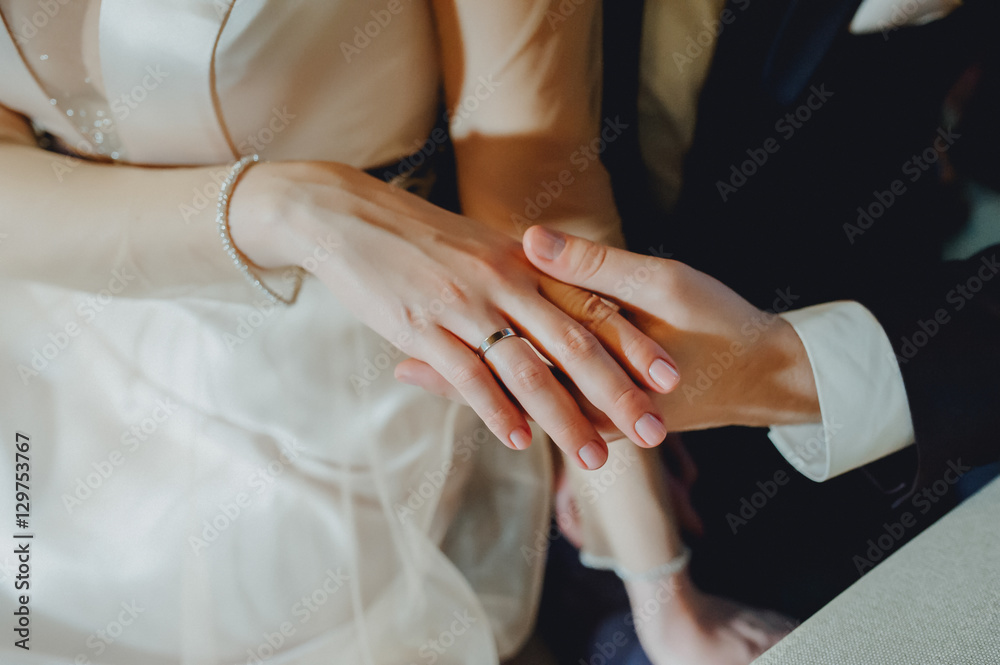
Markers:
664,374
593,455
547,244
520,438
651,429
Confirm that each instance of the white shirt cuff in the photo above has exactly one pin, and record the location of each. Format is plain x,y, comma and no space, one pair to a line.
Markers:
887,15
862,398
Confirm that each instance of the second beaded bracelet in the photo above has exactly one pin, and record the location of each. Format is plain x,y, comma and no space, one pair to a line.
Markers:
672,567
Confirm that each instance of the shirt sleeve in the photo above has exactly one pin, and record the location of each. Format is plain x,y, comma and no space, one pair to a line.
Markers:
862,398
887,15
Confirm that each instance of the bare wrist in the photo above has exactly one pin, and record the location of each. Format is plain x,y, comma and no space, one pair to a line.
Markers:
260,220
792,385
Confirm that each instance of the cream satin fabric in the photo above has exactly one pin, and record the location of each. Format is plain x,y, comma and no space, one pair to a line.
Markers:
211,482
269,59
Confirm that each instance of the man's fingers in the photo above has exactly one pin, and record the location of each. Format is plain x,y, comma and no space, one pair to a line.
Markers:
643,358
615,273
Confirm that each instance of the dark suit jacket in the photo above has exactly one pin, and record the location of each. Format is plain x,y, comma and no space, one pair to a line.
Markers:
820,164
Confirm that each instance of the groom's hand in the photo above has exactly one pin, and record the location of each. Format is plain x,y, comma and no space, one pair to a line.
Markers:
738,365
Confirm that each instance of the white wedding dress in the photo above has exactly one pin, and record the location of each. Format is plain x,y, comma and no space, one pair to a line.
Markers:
208,484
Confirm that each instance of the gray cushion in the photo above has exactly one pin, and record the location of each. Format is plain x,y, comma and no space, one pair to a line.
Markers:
935,601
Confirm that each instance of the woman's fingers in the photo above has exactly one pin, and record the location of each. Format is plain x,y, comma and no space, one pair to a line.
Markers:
528,380
460,367
531,382
643,358
418,373
598,376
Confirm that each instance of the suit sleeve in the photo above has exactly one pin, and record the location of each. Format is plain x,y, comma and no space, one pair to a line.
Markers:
944,327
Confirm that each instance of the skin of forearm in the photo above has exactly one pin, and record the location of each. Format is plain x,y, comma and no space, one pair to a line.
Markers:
559,184
790,396
625,509
72,222
775,386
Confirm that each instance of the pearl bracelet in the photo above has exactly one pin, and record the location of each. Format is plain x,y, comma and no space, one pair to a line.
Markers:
672,567
240,260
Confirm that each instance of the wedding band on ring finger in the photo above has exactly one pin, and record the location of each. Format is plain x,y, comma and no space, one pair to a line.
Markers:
494,339
529,379
521,438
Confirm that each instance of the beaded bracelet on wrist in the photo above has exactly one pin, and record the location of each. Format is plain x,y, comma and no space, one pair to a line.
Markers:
250,270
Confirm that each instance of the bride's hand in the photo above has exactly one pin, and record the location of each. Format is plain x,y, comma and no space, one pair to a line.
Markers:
436,284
